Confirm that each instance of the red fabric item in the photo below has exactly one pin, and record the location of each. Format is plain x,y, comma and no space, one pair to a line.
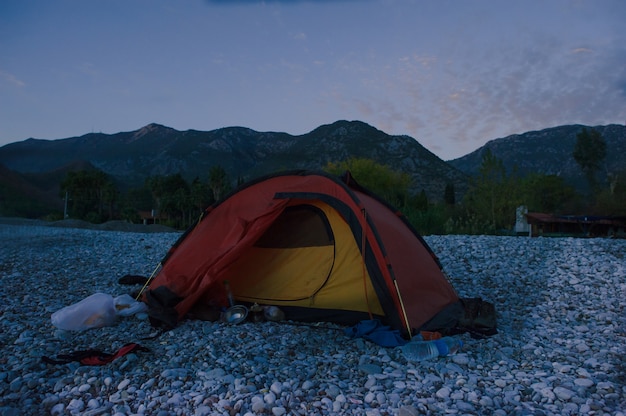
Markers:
105,358
429,336
94,357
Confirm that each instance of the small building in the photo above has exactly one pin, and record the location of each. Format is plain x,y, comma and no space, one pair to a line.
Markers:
575,225
151,217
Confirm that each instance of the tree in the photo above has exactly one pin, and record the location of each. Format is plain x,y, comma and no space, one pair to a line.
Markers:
218,182
389,184
546,193
201,195
493,196
90,192
589,153
109,195
171,194
448,196
156,185
420,201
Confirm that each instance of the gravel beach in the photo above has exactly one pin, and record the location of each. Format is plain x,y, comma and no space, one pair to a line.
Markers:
560,349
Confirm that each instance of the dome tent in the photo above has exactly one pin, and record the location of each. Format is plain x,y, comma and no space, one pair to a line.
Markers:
318,247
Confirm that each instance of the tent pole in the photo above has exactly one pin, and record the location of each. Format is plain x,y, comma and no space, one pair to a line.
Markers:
406,318
364,268
148,281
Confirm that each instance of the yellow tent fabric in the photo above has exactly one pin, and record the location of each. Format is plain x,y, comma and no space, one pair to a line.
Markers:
329,276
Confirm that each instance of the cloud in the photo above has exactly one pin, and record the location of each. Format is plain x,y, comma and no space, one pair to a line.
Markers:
466,99
581,50
300,36
11,79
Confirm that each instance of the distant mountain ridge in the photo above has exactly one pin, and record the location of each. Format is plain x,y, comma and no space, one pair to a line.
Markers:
130,157
550,151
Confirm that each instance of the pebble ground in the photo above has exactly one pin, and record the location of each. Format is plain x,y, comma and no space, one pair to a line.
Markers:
560,348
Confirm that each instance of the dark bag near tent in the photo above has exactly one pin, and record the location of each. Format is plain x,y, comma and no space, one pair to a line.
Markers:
162,312
472,315
446,321
478,319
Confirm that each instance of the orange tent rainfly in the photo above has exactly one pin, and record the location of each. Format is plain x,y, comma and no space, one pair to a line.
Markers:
318,247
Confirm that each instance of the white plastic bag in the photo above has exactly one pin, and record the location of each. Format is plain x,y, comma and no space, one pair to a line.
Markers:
126,305
94,311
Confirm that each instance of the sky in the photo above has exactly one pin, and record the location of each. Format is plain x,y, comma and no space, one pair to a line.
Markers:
451,74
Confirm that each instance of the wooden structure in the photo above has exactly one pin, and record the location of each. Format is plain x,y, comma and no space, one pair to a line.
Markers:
576,225
151,217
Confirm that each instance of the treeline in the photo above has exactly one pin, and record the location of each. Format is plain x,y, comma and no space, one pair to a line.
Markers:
488,207
91,195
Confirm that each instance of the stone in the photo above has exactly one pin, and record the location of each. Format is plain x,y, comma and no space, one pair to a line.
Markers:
443,393
583,382
278,411
563,394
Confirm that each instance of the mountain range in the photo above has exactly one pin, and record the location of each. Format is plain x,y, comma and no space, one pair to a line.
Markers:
549,152
32,169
